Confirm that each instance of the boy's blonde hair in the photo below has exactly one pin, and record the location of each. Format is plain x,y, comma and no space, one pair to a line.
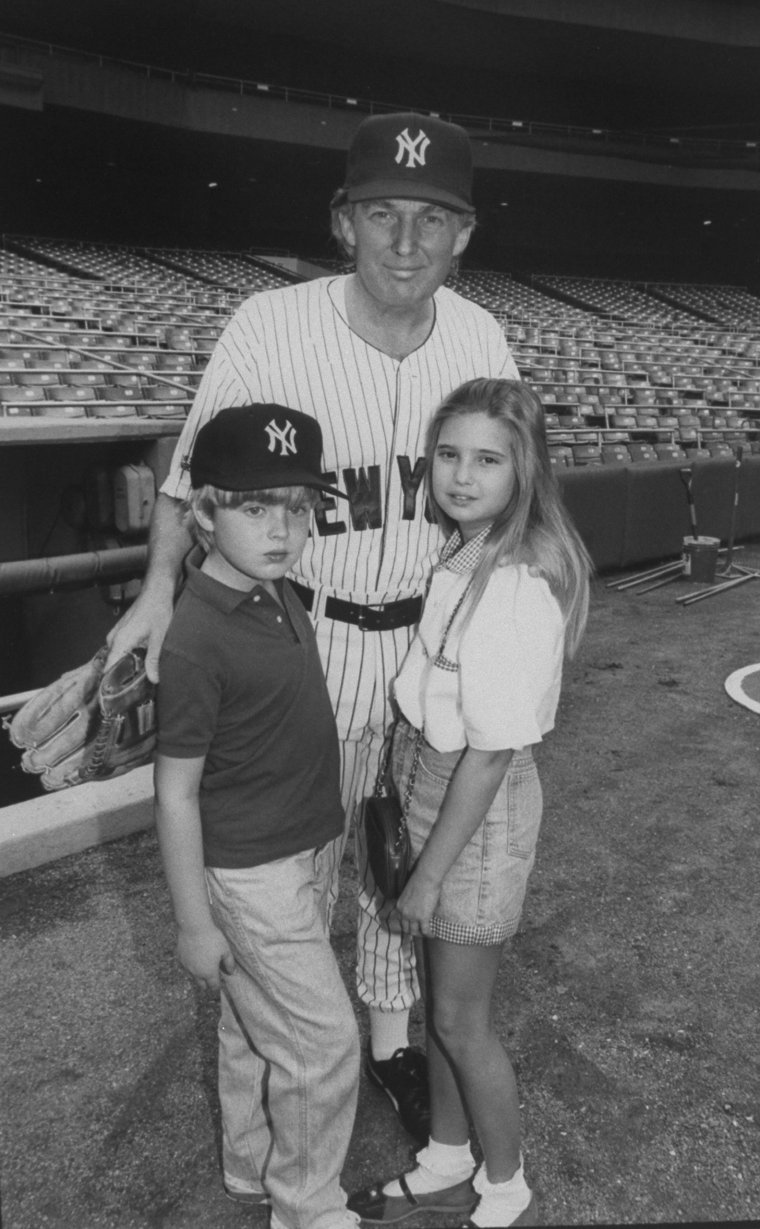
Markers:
206,498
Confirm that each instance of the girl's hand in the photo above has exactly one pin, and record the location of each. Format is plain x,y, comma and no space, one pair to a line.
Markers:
203,953
417,903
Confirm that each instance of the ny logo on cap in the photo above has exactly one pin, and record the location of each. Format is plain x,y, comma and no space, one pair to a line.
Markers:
284,436
415,149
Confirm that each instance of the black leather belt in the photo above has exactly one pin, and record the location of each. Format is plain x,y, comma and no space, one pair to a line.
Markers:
369,618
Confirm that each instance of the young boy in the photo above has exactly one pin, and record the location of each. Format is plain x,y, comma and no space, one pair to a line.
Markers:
247,803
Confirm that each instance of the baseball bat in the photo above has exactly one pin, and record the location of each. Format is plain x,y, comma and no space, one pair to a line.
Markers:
734,512
686,478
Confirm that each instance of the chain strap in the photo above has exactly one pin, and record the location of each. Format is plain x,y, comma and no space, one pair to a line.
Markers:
411,779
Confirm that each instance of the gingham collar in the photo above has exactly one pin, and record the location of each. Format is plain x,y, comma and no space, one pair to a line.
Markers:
460,556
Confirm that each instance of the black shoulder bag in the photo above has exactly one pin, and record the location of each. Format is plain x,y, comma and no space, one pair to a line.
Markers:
389,851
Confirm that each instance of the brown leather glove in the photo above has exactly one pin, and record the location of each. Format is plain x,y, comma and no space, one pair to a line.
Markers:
88,725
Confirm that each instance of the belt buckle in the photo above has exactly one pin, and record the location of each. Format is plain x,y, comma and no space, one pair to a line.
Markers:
362,619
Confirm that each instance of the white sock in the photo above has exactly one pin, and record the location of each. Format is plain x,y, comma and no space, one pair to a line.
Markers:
389,1031
438,1166
500,1203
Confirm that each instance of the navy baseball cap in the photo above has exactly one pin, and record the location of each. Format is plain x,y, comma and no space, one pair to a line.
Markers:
257,447
415,157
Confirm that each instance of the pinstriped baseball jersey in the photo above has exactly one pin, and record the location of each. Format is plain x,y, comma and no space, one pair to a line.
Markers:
293,346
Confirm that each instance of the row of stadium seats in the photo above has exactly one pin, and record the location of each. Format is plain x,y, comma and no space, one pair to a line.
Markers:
631,453
107,401
109,318
24,361
660,302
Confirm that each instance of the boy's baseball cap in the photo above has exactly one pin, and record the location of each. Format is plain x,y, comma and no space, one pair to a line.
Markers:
257,447
415,157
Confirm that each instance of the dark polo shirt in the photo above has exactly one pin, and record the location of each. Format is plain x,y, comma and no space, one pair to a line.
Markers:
242,684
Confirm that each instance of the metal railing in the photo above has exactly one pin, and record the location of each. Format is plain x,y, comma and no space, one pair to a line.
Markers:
675,145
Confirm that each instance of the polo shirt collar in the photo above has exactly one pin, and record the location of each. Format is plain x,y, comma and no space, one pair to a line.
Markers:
212,591
460,556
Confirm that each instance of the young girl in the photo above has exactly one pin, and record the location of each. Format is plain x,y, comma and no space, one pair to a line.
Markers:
478,688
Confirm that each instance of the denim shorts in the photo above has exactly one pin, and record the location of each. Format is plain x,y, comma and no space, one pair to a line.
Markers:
482,894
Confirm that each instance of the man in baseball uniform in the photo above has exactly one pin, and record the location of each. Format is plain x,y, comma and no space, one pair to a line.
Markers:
370,355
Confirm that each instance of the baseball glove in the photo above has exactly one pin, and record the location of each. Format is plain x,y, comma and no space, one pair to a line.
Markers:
90,724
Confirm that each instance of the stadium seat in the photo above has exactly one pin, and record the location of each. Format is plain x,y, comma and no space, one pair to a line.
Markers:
669,452
51,410
174,362
642,452
21,396
142,360
644,396
72,393
122,379
587,454
615,454
123,392
56,360
39,378
166,392
83,379
108,409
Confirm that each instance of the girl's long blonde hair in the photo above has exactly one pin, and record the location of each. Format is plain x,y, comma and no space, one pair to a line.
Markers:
534,528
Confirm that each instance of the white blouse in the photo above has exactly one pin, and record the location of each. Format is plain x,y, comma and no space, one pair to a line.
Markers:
499,685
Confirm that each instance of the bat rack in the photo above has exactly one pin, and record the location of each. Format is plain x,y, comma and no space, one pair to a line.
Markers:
730,576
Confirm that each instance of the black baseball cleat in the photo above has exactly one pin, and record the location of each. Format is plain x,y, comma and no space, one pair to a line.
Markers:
403,1079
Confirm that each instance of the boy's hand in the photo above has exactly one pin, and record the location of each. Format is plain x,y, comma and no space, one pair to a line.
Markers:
203,953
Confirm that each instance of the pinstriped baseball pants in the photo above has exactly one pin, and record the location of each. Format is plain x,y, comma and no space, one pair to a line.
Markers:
360,668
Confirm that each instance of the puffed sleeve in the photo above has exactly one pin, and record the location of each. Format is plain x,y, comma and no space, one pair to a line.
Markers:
511,662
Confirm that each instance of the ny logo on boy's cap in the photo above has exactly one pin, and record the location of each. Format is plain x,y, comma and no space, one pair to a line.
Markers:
415,148
284,436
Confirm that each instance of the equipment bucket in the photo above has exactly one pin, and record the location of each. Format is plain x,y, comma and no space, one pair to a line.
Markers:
700,558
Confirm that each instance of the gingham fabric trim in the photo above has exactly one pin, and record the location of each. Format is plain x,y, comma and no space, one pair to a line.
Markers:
480,936
460,556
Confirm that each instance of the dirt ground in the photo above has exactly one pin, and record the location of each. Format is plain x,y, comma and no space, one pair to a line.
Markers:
629,999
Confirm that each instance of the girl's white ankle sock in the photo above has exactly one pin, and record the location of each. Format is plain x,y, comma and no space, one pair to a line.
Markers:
500,1203
438,1166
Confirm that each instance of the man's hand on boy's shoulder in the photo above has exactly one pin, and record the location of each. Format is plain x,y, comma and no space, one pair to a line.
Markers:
204,954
